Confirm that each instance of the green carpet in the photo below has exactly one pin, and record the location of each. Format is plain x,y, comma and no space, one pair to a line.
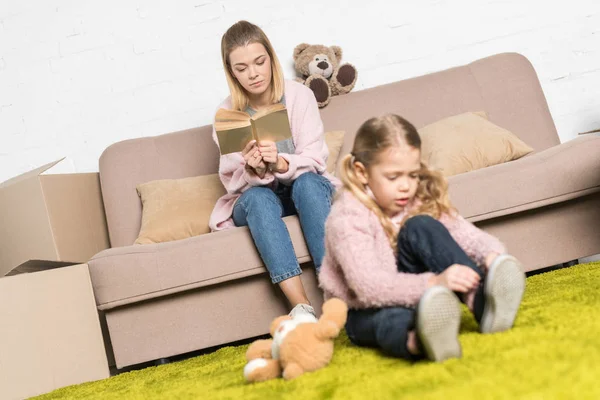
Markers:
550,353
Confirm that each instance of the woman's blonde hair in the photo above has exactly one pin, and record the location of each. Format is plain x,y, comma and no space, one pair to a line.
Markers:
375,136
241,34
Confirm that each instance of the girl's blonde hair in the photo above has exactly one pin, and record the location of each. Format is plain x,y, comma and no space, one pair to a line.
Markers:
241,34
375,136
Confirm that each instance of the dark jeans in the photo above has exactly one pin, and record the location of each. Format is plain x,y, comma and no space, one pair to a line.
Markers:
424,245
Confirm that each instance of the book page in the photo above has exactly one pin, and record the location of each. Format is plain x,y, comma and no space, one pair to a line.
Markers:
233,140
268,110
274,126
233,129
231,115
224,125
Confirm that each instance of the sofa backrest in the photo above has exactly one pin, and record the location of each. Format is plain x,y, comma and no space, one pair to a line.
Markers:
504,85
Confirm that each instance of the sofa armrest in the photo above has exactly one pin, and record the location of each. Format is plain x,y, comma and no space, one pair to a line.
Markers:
560,173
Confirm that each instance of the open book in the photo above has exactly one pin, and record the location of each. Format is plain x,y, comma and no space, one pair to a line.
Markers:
236,128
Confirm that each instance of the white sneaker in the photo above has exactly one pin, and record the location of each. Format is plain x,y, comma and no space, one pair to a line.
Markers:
303,312
503,290
438,322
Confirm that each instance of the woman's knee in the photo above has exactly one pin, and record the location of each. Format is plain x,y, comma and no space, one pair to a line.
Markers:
307,179
259,198
311,184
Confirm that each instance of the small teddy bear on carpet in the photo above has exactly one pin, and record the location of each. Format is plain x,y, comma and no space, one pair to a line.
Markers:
321,71
299,345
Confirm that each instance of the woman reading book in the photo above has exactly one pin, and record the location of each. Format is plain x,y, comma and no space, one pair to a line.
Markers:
266,180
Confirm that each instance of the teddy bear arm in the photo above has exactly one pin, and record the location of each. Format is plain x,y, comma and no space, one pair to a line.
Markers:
326,330
259,349
336,311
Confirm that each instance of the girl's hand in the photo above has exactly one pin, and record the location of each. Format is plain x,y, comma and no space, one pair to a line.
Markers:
270,155
458,278
253,159
489,259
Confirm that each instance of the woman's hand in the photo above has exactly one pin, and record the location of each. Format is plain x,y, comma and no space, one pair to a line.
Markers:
253,158
458,278
270,155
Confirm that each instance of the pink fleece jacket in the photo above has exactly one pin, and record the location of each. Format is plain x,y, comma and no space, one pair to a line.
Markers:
310,155
360,266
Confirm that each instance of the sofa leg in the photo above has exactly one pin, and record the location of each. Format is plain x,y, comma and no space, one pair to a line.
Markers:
571,263
553,267
162,361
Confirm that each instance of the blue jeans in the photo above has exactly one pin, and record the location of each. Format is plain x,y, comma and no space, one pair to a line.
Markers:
262,210
424,245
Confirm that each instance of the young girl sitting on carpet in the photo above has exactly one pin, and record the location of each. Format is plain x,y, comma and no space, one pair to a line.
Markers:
399,254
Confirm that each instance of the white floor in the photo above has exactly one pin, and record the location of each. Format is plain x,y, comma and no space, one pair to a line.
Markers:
590,259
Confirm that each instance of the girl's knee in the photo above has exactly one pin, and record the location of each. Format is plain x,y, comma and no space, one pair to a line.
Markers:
421,222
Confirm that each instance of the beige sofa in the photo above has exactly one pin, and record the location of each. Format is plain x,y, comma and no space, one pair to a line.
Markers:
170,298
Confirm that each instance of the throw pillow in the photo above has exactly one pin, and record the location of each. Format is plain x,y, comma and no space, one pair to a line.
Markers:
334,141
174,209
467,142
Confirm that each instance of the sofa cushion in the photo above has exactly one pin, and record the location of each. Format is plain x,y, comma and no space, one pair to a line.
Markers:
174,209
564,172
466,142
334,141
129,274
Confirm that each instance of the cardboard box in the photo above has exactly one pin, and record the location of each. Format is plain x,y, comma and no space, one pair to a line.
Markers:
50,218
585,133
49,332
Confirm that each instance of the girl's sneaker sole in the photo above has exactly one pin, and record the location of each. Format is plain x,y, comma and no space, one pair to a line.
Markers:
438,322
503,291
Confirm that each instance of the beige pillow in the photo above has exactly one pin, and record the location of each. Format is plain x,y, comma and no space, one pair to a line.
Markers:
174,209
334,141
467,142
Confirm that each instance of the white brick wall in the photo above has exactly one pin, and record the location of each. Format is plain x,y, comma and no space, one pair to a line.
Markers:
76,76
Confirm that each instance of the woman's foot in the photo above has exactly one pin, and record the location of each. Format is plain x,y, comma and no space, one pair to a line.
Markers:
497,301
438,321
304,312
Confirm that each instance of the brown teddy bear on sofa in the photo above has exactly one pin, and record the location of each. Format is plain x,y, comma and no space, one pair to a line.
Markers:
321,71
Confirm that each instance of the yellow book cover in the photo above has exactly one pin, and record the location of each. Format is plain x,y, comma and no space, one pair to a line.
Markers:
236,128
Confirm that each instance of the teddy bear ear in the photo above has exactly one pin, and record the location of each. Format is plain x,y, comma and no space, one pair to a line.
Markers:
337,50
299,49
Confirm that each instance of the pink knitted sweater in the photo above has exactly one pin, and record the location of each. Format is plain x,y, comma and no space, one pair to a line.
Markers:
360,266
310,155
